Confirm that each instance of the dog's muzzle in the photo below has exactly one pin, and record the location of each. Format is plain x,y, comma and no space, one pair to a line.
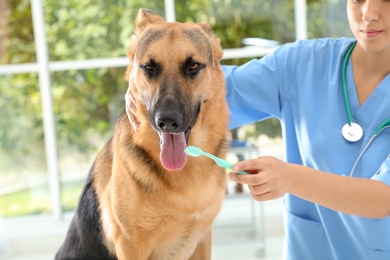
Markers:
174,126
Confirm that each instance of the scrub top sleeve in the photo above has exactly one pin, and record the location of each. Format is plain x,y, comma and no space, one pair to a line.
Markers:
243,96
255,90
384,172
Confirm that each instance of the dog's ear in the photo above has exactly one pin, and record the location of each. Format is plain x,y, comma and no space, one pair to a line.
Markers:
216,42
206,27
218,52
146,17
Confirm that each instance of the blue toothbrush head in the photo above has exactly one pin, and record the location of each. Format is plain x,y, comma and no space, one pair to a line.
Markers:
193,151
196,151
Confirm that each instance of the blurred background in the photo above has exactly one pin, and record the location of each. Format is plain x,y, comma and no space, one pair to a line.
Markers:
62,85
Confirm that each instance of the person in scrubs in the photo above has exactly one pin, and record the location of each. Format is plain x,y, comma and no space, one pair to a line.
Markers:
332,97
329,214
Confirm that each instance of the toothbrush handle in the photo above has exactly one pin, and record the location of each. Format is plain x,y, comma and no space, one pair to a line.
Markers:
222,162
226,165
241,172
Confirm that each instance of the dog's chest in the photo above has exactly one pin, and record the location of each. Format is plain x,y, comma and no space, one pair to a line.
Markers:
182,241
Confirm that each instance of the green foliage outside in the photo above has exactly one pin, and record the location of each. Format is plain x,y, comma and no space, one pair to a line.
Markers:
34,201
87,102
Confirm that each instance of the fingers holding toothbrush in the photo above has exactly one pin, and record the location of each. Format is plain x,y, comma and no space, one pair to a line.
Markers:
268,177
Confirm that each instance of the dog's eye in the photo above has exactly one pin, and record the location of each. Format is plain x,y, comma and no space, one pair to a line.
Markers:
193,66
147,67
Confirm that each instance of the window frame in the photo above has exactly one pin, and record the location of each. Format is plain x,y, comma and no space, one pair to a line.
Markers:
43,67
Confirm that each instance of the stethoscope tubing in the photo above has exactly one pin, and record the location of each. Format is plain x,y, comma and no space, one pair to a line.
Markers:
385,124
344,82
380,128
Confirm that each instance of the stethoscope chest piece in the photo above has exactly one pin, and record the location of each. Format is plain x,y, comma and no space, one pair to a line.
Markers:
352,132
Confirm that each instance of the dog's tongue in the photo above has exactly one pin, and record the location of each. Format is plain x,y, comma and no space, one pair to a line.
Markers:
172,154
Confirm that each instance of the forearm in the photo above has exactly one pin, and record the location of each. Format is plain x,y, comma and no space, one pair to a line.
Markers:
357,196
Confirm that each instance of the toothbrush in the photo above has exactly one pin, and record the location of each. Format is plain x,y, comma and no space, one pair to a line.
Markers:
196,151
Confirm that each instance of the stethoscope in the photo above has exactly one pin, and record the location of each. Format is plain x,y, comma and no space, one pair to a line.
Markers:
352,131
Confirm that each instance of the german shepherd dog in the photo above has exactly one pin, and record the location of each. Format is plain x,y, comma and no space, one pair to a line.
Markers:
143,197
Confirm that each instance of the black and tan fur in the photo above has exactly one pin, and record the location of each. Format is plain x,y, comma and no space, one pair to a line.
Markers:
131,207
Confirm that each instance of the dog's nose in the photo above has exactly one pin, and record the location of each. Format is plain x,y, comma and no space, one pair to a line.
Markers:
169,120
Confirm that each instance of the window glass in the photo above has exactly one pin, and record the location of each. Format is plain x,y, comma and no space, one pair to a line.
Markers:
23,173
232,21
16,32
90,29
87,104
327,18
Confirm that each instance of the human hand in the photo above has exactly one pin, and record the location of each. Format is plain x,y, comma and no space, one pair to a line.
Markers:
268,177
131,108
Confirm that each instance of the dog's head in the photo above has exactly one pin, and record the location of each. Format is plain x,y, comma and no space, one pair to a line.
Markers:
174,70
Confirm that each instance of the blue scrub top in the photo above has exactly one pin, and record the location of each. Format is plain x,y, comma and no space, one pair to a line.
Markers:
300,84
